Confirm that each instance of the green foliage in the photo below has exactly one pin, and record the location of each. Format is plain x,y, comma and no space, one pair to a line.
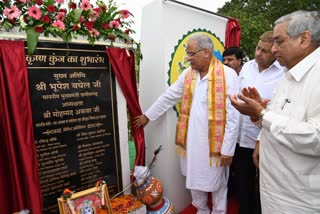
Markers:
258,16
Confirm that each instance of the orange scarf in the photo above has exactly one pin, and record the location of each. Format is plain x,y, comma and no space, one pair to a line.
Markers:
216,108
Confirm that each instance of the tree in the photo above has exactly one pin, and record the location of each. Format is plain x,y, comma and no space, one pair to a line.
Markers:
258,16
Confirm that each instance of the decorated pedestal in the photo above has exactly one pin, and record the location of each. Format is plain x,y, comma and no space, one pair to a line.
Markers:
165,207
150,192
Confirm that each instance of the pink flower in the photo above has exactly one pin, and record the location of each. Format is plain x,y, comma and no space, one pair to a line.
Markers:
12,12
24,1
93,32
114,24
34,12
61,16
58,24
85,5
93,15
125,13
59,1
82,18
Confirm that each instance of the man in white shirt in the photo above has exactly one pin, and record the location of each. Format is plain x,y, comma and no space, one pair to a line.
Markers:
207,121
263,73
289,147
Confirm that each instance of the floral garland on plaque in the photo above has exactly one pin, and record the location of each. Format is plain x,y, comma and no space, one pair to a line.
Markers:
67,20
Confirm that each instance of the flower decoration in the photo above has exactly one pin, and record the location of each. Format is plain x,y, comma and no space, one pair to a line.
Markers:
102,21
66,194
100,182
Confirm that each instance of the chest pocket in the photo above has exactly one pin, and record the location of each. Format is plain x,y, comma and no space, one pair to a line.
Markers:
203,93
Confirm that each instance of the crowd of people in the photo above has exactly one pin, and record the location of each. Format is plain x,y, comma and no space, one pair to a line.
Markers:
259,119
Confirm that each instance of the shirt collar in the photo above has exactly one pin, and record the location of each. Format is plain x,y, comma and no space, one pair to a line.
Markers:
277,64
274,64
302,67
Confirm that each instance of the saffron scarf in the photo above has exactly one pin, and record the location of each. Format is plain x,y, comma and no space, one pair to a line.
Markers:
216,108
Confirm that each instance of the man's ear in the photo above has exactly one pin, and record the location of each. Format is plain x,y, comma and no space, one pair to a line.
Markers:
305,39
207,52
239,61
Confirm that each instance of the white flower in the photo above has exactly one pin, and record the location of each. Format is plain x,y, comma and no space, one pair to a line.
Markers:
23,24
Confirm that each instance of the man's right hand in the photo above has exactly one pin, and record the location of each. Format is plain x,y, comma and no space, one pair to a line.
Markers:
140,120
255,155
252,92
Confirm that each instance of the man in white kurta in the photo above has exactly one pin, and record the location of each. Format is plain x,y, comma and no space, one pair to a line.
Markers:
202,178
290,138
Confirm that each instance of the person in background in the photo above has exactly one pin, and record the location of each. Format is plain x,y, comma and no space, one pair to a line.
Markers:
207,126
263,73
233,57
288,153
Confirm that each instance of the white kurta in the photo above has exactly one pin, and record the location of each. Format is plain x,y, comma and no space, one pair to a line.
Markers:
264,81
290,142
196,166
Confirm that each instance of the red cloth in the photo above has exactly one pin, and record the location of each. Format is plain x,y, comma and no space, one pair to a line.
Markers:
124,69
232,207
19,179
233,32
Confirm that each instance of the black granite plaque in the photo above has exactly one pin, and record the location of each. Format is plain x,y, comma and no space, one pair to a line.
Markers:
74,109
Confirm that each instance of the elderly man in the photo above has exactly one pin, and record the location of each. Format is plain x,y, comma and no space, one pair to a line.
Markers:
207,125
290,137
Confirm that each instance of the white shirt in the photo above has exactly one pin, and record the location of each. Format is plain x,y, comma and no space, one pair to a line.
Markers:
196,166
264,82
290,142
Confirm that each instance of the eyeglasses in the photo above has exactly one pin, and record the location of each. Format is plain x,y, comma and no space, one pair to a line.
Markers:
191,54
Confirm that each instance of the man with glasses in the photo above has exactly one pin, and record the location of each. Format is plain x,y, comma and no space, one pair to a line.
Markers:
289,147
207,127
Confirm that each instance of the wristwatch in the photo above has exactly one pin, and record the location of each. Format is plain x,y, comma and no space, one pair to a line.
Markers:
260,117
262,113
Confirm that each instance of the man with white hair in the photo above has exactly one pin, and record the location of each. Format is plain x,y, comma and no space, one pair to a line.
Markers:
289,147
